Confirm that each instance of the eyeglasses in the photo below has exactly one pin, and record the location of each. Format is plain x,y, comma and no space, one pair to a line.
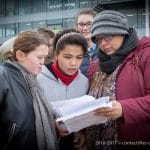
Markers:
82,24
107,38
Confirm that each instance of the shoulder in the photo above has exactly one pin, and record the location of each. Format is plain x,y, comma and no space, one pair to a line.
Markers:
45,72
144,43
45,76
143,48
4,70
82,77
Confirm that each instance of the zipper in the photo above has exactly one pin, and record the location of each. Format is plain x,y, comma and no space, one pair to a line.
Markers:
10,136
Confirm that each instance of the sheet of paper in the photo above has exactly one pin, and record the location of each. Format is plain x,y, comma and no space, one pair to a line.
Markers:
86,120
81,110
68,106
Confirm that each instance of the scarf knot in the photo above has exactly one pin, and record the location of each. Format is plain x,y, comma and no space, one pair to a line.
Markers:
66,79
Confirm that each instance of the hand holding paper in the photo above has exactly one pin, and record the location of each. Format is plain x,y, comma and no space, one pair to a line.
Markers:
114,112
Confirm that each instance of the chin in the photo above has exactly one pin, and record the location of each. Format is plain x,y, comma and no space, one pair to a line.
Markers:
69,74
36,73
87,37
109,53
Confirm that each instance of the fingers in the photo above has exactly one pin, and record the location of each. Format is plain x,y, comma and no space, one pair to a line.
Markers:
105,114
61,129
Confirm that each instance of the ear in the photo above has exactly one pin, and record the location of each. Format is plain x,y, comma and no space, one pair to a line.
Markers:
55,56
76,26
20,56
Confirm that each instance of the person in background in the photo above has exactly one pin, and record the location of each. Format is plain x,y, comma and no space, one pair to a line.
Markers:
123,75
26,122
62,79
49,35
83,24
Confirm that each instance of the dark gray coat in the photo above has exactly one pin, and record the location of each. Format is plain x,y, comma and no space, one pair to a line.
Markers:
17,128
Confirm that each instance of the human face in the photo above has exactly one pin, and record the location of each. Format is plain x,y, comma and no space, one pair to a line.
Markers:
84,22
69,59
34,60
109,44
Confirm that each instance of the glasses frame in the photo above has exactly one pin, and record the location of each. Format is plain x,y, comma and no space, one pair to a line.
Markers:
106,38
82,24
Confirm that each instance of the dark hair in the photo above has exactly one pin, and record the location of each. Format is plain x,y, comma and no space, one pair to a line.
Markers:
86,12
26,42
69,37
46,32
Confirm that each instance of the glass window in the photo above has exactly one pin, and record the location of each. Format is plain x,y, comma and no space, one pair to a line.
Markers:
55,24
94,3
54,5
136,19
141,23
70,4
24,26
2,8
68,22
11,30
84,4
37,24
25,7
39,6
11,7
2,31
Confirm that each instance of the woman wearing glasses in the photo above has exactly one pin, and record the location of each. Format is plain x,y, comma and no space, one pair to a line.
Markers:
123,75
84,21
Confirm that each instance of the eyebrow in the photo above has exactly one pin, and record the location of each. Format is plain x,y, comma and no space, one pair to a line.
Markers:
72,55
86,22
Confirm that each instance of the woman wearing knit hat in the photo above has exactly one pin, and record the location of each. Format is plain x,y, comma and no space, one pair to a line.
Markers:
123,75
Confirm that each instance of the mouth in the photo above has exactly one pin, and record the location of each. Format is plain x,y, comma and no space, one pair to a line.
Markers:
106,49
72,70
40,68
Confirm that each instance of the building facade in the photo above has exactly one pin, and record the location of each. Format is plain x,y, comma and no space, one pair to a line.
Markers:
19,15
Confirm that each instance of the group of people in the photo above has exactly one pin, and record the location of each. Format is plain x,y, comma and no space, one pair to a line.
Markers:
101,57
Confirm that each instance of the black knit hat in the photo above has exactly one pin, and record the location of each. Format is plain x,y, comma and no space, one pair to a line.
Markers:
109,22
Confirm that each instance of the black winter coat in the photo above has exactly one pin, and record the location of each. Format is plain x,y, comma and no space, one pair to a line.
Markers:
17,120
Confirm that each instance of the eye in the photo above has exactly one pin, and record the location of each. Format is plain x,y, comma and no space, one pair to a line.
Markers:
81,24
79,57
41,57
67,57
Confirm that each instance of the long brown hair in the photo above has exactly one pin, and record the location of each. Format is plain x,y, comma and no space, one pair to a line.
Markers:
26,42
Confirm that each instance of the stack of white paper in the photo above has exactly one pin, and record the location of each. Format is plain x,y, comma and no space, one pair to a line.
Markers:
77,113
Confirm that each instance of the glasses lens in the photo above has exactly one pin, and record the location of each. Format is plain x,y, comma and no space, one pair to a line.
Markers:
106,38
87,24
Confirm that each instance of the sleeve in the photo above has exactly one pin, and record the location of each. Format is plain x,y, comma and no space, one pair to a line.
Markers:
2,91
137,110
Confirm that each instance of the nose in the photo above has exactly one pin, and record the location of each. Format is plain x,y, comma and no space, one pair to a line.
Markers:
42,61
85,27
73,62
103,41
